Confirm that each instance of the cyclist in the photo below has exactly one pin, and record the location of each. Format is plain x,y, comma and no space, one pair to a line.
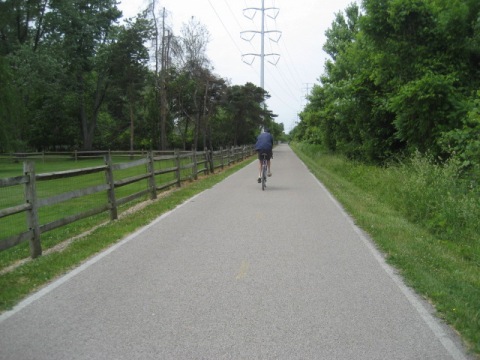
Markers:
264,145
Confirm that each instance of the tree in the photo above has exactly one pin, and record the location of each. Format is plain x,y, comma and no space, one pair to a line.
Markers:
80,30
182,89
40,80
423,95
196,66
22,23
73,78
195,38
165,44
11,111
400,77
342,32
463,143
128,64
244,104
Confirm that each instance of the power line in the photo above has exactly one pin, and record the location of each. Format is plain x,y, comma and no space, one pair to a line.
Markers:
228,32
232,13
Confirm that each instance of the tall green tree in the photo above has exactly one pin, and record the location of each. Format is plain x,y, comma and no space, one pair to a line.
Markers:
73,78
244,104
128,58
195,38
422,96
401,76
40,80
80,30
12,114
21,23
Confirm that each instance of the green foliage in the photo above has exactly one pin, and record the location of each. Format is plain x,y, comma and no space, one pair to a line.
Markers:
21,23
425,108
463,143
342,32
434,196
426,193
243,104
399,80
44,100
277,131
127,66
72,77
12,115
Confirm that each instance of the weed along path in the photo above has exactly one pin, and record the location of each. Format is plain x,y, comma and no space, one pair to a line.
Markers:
234,273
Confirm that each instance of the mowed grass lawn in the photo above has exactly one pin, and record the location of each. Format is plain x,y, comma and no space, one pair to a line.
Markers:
14,195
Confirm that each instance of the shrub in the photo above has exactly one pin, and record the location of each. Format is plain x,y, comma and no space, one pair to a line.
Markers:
435,196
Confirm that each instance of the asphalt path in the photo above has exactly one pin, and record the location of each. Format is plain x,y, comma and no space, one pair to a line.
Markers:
234,273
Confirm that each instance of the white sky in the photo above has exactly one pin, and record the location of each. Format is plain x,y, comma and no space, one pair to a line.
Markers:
302,22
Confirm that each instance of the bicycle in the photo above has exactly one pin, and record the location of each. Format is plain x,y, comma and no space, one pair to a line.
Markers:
264,170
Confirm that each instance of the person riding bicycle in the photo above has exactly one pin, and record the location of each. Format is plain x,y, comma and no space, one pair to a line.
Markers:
264,145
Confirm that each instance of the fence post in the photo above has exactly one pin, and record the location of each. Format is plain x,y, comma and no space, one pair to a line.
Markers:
32,213
212,163
151,179
208,165
205,159
177,171
195,165
111,190
221,156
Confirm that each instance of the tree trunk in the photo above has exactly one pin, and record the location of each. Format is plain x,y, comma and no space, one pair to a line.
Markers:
132,118
163,86
89,123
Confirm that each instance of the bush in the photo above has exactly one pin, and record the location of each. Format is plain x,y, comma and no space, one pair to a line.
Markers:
464,143
434,196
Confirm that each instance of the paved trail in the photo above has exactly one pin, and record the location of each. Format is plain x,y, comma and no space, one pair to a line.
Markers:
234,273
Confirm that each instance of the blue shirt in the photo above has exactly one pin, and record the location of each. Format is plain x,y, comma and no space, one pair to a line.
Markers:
264,141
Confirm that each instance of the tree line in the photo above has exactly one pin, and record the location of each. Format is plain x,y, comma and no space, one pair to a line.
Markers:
403,76
74,77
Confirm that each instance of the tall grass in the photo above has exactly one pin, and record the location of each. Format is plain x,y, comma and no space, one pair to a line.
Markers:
437,198
427,193
425,218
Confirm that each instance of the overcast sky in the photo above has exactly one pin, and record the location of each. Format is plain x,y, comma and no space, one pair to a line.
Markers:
302,24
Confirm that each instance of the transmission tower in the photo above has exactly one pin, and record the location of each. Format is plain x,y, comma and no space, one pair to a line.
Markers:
273,35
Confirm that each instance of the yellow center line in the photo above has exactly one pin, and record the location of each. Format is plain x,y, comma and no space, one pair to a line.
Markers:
243,270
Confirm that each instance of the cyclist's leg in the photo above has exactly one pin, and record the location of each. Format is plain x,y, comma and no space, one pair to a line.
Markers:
268,163
259,166
264,174
264,170
260,160
259,170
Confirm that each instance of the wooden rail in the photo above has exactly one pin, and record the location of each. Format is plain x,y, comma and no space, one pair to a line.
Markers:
198,162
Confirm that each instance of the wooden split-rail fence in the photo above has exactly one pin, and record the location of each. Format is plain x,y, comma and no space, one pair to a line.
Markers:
200,162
